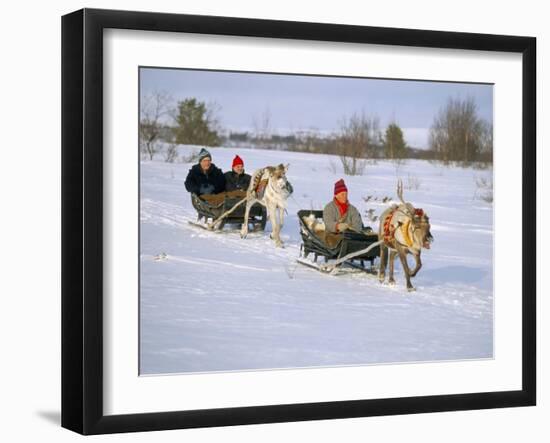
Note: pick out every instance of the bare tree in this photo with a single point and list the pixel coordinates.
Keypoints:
(358, 140)
(213, 111)
(154, 107)
(262, 126)
(457, 133)
(486, 150)
(171, 152)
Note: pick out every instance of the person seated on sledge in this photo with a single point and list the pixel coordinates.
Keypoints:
(236, 179)
(340, 215)
(205, 178)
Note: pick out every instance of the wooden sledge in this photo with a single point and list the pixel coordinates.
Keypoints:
(336, 247)
(217, 210)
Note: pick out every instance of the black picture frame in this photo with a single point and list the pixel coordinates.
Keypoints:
(82, 219)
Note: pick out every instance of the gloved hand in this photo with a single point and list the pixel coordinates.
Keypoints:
(207, 189)
(342, 227)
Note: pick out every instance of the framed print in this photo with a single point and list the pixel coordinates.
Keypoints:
(269, 221)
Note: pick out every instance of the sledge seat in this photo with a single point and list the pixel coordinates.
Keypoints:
(331, 245)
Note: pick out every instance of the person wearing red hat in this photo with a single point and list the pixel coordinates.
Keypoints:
(339, 215)
(237, 179)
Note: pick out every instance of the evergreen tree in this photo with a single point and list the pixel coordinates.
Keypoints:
(394, 142)
(195, 124)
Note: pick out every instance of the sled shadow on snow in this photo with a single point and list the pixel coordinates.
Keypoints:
(453, 274)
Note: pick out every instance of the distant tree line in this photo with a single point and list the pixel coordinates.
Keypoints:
(457, 135)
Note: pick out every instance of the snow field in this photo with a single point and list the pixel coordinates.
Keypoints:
(217, 302)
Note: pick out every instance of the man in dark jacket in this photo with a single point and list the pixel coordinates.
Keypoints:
(237, 179)
(205, 177)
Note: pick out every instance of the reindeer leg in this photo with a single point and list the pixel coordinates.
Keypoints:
(391, 280)
(274, 225)
(244, 228)
(383, 263)
(406, 270)
(417, 266)
(280, 225)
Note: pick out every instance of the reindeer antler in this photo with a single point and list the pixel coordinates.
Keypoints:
(400, 191)
(409, 208)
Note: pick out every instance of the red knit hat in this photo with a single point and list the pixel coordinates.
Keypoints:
(237, 161)
(340, 186)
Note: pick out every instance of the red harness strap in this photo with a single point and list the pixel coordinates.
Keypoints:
(260, 188)
(389, 231)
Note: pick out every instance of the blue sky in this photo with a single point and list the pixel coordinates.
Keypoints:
(307, 102)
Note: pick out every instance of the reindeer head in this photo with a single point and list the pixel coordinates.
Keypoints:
(421, 229)
(278, 177)
(420, 222)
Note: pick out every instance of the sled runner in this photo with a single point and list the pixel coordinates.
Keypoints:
(211, 207)
(316, 242)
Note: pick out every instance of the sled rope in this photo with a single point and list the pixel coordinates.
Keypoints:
(213, 224)
(331, 266)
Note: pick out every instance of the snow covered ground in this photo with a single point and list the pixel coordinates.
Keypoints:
(220, 303)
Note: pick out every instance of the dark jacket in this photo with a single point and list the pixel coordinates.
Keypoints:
(236, 182)
(197, 182)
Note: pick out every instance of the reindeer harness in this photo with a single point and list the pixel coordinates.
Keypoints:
(389, 229)
(260, 189)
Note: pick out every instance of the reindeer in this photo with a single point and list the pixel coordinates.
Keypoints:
(269, 187)
(404, 229)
